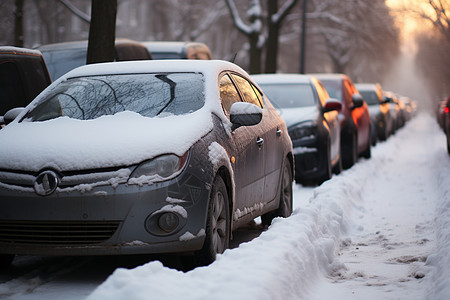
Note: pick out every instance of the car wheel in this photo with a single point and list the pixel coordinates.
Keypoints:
(327, 167)
(448, 143)
(337, 168)
(285, 206)
(218, 224)
(6, 260)
(350, 153)
(368, 152)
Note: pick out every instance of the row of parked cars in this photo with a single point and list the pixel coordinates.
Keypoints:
(443, 118)
(167, 156)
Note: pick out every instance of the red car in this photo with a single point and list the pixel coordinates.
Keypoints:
(354, 115)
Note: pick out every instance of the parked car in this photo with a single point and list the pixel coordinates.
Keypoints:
(395, 109)
(378, 109)
(312, 120)
(355, 118)
(23, 75)
(178, 50)
(142, 157)
(63, 57)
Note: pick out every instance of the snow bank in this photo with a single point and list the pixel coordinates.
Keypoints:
(440, 261)
(280, 264)
(289, 259)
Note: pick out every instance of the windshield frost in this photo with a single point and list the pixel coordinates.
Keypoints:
(150, 95)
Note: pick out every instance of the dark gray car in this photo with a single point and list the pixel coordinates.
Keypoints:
(142, 157)
(312, 120)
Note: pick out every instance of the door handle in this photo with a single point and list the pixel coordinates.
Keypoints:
(279, 132)
(260, 142)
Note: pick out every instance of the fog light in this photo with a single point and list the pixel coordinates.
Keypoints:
(168, 222)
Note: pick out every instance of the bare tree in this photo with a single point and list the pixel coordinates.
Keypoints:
(18, 26)
(253, 31)
(102, 31)
(275, 18)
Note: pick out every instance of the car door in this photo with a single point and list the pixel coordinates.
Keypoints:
(270, 131)
(248, 151)
(331, 119)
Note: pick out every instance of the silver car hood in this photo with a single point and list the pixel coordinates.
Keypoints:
(124, 139)
(293, 116)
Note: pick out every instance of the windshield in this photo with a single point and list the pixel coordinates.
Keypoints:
(150, 95)
(289, 95)
(370, 97)
(334, 88)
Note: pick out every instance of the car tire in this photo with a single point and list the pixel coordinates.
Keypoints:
(217, 225)
(337, 168)
(328, 172)
(6, 260)
(285, 205)
(367, 153)
(350, 153)
(448, 143)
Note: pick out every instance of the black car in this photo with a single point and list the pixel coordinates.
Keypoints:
(312, 120)
(379, 110)
(23, 75)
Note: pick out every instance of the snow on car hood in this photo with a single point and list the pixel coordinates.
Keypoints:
(296, 115)
(122, 139)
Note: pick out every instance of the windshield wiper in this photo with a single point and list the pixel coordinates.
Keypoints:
(172, 85)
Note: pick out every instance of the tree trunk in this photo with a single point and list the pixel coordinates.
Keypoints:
(255, 54)
(102, 31)
(272, 38)
(18, 24)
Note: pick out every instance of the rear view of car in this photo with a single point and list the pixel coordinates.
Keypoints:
(64, 57)
(23, 75)
(312, 120)
(178, 50)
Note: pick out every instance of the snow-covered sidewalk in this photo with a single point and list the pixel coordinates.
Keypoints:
(377, 231)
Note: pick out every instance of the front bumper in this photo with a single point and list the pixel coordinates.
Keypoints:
(104, 220)
(310, 157)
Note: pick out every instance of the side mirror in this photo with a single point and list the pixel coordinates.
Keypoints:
(11, 114)
(332, 104)
(387, 99)
(358, 100)
(244, 114)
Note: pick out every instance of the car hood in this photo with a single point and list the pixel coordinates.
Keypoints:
(124, 139)
(293, 116)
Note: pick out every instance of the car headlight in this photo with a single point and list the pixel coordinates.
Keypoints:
(162, 167)
(303, 130)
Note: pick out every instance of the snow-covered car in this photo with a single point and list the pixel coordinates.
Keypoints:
(379, 110)
(312, 120)
(355, 119)
(142, 157)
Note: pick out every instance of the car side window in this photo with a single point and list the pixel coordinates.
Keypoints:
(321, 92)
(247, 91)
(228, 94)
(348, 92)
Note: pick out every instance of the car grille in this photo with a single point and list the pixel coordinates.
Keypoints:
(56, 232)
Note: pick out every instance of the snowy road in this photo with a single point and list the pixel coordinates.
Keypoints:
(377, 231)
